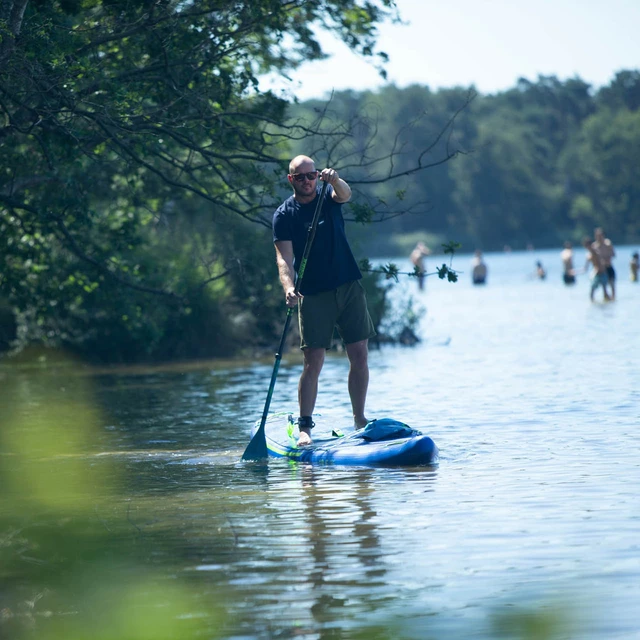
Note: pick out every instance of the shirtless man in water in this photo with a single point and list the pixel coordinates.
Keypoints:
(568, 271)
(598, 271)
(603, 247)
(634, 266)
(479, 268)
(417, 259)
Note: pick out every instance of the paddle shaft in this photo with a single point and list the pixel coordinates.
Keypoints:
(257, 447)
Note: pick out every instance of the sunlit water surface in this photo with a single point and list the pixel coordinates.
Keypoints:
(532, 394)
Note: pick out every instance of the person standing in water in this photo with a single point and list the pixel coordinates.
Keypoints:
(568, 270)
(634, 266)
(598, 269)
(417, 260)
(604, 248)
(479, 268)
(330, 295)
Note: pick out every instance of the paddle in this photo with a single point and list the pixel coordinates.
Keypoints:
(257, 447)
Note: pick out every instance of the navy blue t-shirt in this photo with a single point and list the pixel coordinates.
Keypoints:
(331, 262)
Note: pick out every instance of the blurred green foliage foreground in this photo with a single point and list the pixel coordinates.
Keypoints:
(71, 563)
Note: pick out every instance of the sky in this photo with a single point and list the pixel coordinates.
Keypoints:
(489, 44)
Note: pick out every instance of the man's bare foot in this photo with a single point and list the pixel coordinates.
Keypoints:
(305, 437)
(360, 424)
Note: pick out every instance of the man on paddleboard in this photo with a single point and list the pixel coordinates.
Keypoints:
(331, 295)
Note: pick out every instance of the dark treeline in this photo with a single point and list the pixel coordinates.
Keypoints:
(539, 164)
(140, 164)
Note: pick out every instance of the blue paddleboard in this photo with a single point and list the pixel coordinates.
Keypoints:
(384, 442)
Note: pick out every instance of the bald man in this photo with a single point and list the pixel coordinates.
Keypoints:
(331, 296)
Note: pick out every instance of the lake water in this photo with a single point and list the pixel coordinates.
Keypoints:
(529, 527)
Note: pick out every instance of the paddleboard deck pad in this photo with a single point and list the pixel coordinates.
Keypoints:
(384, 442)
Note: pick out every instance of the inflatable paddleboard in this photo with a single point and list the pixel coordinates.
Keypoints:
(384, 442)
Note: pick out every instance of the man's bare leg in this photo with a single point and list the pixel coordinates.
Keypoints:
(308, 388)
(358, 354)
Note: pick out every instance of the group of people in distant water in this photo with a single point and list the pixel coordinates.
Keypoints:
(600, 253)
(417, 256)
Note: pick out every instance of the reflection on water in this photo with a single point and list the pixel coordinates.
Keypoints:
(312, 553)
(531, 394)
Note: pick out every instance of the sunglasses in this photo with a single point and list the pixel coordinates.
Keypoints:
(299, 177)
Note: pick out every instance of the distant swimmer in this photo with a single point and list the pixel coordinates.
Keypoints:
(417, 259)
(634, 266)
(540, 272)
(479, 273)
(568, 270)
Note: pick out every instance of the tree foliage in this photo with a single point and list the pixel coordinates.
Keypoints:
(126, 125)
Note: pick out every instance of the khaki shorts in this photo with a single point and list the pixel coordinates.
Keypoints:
(344, 308)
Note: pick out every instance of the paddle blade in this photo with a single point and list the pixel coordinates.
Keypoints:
(257, 447)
